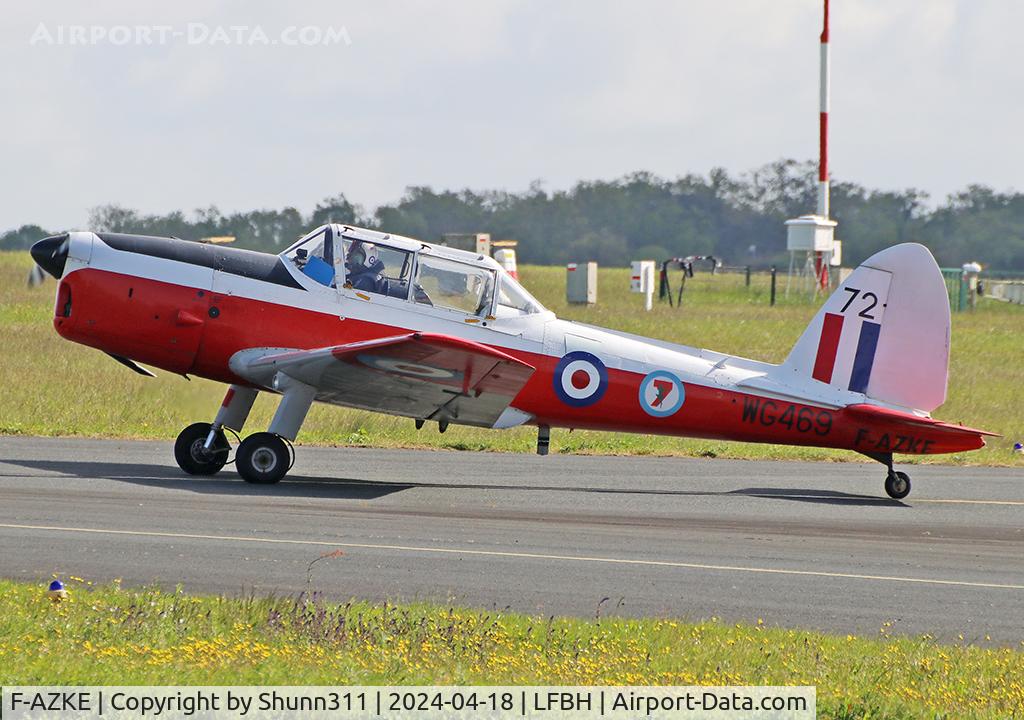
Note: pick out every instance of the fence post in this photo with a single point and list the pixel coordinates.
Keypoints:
(773, 287)
(748, 276)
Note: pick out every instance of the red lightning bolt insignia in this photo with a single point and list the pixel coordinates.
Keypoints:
(663, 388)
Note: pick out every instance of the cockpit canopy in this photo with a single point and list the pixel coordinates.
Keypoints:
(432, 275)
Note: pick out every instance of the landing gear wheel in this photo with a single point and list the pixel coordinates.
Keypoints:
(193, 457)
(263, 458)
(897, 485)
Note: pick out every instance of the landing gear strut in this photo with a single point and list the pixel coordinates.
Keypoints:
(897, 483)
(263, 457)
(543, 439)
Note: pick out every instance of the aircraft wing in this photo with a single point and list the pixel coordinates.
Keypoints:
(419, 375)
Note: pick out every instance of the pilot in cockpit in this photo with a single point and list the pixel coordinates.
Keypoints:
(365, 269)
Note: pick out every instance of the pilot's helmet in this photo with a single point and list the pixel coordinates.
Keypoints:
(362, 256)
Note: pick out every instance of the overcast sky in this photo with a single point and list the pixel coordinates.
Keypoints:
(494, 94)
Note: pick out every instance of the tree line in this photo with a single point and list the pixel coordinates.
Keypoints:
(738, 218)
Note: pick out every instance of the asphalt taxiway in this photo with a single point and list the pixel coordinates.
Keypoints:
(795, 544)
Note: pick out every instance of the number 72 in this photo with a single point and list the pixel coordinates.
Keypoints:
(867, 297)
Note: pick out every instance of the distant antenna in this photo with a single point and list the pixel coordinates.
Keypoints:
(823, 121)
(813, 236)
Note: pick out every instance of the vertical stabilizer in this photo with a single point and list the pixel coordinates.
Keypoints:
(883, 333)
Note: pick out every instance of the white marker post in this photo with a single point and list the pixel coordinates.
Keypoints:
(641, 280)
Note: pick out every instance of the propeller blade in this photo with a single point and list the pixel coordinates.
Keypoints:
(36, 276)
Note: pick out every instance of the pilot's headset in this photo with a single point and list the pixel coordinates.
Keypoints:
(371, 255)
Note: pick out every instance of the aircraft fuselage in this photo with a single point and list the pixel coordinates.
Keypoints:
(190, 309)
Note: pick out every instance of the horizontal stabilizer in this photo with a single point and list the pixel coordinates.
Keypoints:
(873, 412)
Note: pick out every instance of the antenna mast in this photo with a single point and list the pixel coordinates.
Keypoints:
(823, 121)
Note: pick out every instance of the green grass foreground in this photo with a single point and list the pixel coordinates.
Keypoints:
(108, 635)
(53, 387)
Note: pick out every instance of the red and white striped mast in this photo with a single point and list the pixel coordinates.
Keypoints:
(823, 121)
(823, 259)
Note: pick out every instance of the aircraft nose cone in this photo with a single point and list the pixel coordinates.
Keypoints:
(51, 253)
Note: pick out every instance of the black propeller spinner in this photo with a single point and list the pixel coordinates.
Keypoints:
(51, 254)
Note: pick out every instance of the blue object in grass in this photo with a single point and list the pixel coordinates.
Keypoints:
(56, 591)
(319, 270)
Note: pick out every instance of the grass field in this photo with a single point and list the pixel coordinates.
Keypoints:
(112, 636)
(52, 387)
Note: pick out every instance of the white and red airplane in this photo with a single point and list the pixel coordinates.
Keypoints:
(368, 320)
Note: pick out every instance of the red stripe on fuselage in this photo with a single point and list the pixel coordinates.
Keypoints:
(828, 347)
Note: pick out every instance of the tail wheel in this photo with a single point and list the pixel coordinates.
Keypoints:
(263, 458)
(897, 485)
(191, 454)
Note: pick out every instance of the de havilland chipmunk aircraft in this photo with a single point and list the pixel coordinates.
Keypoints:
(380, 322)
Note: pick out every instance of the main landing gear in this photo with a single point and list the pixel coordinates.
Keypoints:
(897, 482)
(262, 458)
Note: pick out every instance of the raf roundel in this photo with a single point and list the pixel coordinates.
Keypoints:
(580, 379)
(406, 367)
(661, 393)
